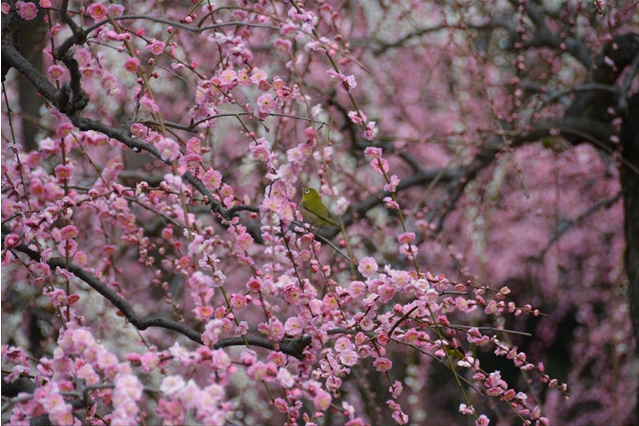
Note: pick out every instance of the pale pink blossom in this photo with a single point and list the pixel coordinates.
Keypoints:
(382, 364)
(367, 267)
(266, 103)
(171, 384)
(169, 149)
(322, 400)
(212, 179)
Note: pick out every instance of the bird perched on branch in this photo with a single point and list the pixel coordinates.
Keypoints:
(313, 209)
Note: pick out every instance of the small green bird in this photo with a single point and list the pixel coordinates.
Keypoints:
(313, 209)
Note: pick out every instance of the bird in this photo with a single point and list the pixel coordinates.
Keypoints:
(313, 209)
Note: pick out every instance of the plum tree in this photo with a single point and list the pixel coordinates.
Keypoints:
(481, 158)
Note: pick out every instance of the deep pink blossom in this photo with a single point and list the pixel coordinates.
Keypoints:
(97, 11)
(155, 46)
(132, 65)
(56, 72)
(27, 10)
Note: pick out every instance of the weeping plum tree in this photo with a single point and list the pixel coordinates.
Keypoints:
(481, 158)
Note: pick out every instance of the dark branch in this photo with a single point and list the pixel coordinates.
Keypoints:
(544, 37)
(581, 128)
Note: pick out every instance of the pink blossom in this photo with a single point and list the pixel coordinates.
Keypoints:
(280, 404)
(12, 240)
(322, 400)
(482, 421)
(64, 129)
(169, 149)
(109, 83)
(465, 409)
(218, 278)
(52, 402)
(382, 364)
(392, 185)
(285, 378)
(155, 46)
(63, 172)
(193, 146)
(171, 384)
(386, 292)
(228, 77)
(348, 357)
(129, 385)
(371, 131)
(41, 268)
(243, 242)
(149, 104)
(367, 267)
(380, 165)
(97, 11)
(293, 327)
(277, 329)
(254, 285)
(260, 150)
(350, 83)
(211, 332)
(262, 371)
(357, 289)
(400, 417)
(132, 65)
(343, 344)
(150, 361)
(6, 8)
(258, 75)
(357, 117)
(283, 46)
(203, 313)
(248, 357)
(243, 78)
(27, 11)
(212, 179)
(115, 9)
(67, 247)
(242, 329)
(56, 72)
(238, 302)
(266, 103)
(69, 232)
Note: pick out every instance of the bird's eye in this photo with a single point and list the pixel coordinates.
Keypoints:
(307, 191)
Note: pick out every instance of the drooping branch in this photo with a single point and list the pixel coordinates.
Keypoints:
(61, 101)
(565, 225)
(383, 46)
(292, 347)
(118, 301)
